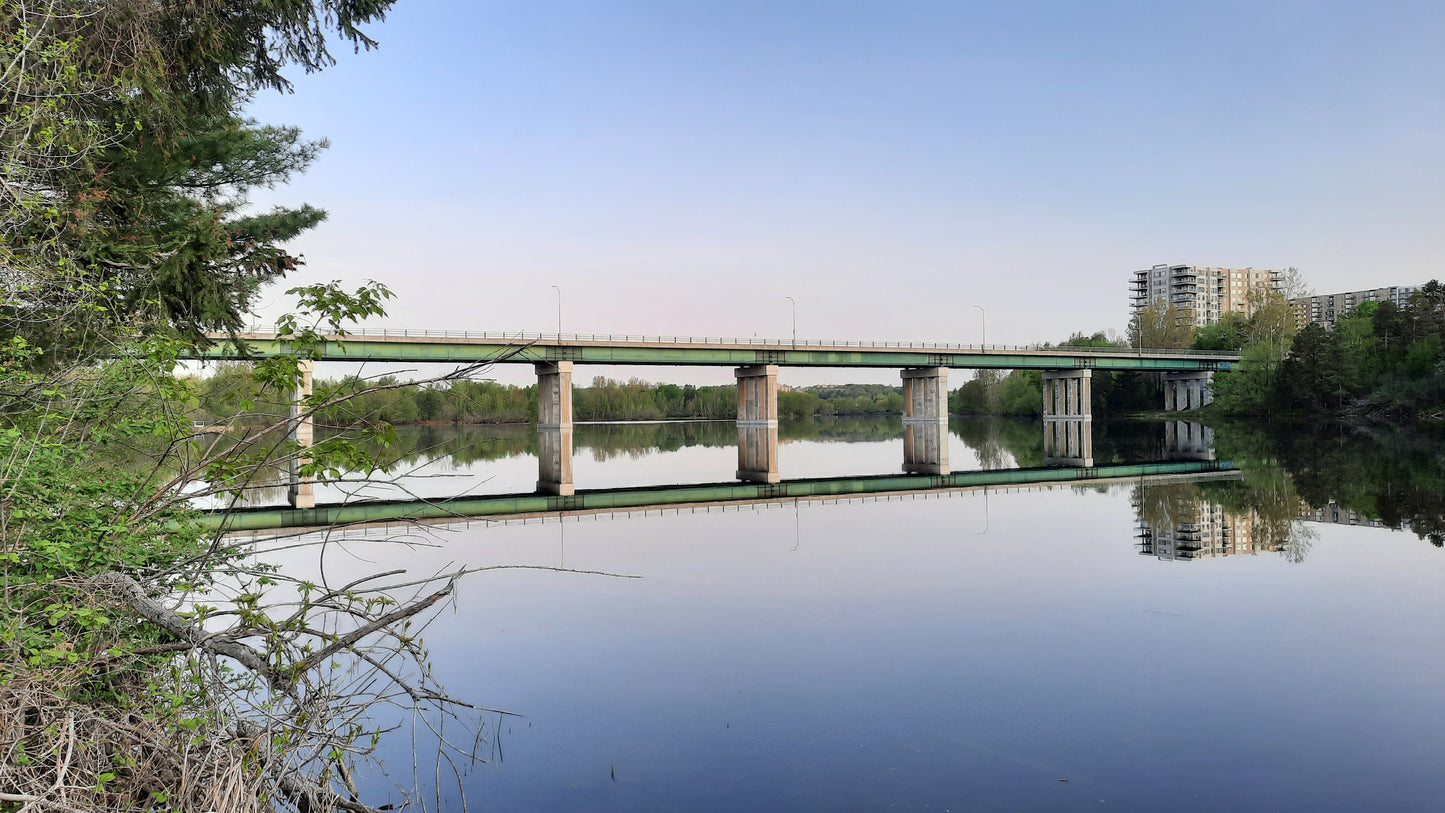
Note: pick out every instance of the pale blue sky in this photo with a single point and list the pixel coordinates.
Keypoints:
(683, 167)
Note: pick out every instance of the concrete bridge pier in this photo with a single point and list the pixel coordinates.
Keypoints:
(925, 448)
(925, 395)
(758, 454)
(925, 420)
(554, 428)
(1068, 394)
(554, 394)
(1188, 390)
(1188, 440)
(758, 423)
(757, 395)
(300, 490)
(1068, 418)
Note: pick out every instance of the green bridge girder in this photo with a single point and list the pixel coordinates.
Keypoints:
(593, 500)
(362, 349)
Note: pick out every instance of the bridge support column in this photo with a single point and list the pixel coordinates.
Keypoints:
(758, 453)
(1068, 394)
(757, 395)
(554, 428)
(1188, 390)
(1068, 418)
(925, 447)
(300, 490)
(925, 395)
(554, 394)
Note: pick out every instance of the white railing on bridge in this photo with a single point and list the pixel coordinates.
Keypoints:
(526, 337)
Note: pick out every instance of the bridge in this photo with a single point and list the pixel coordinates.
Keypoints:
(469, 347)
(1067, 382)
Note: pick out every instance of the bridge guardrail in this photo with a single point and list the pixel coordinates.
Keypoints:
(522, 337)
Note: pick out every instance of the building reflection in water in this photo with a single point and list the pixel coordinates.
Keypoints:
(1191, 527)
(1182, 522)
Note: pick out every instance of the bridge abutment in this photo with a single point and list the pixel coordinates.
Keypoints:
(300, 489)
(925, 394)
(1188, 390)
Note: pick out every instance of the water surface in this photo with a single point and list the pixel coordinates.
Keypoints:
(1192, 644)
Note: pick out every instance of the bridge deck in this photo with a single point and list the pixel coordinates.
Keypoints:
(466, 348)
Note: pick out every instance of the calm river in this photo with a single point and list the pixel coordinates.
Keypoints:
(1229, 642)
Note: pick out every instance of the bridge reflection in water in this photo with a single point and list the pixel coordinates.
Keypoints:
(1068, 458)
(702, 494)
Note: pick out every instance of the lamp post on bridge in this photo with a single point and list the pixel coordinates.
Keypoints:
(795, 321)
(983, 341)
(559, 312)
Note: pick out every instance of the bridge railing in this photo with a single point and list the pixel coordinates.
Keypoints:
(526, 337)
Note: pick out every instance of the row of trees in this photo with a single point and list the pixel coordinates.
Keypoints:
(233, 390)
(1382, 359)
(1020, 392)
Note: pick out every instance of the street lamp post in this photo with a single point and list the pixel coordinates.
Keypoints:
(795, 321)
(559, 311)
(983, 317)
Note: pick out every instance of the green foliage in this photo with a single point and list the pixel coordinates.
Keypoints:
(1161, 325)
(129, 166)
(1250, 388)
(1394, 474)
(1382, 359)
(799, 404)
(1229, 334)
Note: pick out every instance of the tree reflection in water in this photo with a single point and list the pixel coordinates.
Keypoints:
(1292, 474)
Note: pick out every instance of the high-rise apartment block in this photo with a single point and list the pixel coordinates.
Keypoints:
(1326, 309)
(1201, 293)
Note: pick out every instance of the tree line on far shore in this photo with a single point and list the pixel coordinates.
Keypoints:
(232, 390)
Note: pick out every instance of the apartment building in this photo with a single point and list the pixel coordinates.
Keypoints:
(1201, 293)
(1326, 309)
